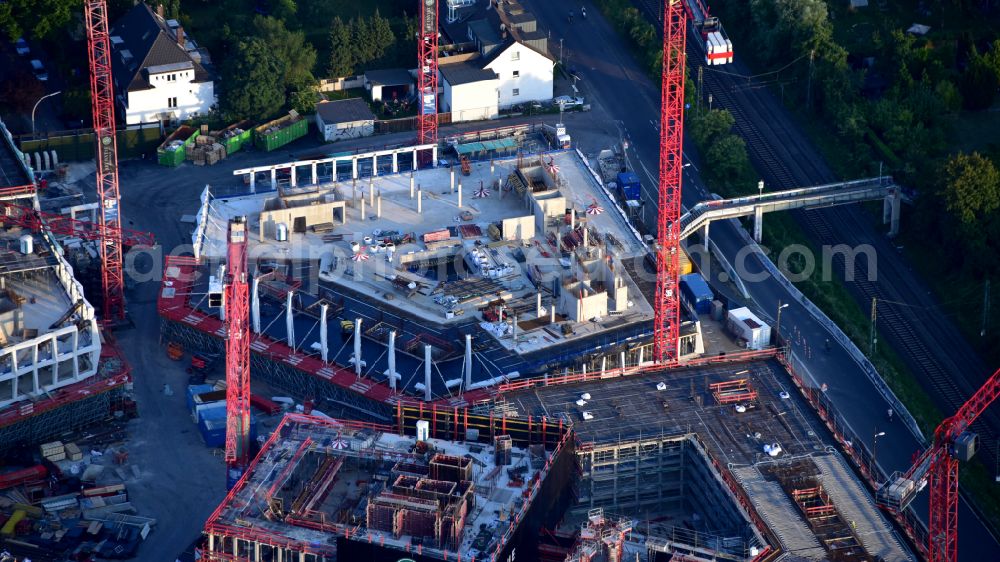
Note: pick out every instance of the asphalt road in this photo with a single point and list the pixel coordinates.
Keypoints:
(620, 91)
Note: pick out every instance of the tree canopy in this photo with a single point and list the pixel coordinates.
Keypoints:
(36, 18)
(341, 61)
(252, 81)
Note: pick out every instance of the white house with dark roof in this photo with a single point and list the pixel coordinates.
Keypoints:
(511, 65)
(157, 69)
(344, 119)
(469, 91)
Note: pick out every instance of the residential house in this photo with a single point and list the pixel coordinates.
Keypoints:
(344, 119)
(158, 70)
(469, 91)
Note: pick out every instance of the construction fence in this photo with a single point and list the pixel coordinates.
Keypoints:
(78, 144)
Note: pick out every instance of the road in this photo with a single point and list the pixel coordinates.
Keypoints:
(621, 92)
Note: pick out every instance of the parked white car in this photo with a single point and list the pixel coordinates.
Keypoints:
(39, 69)
(566, 102)
(22, 47)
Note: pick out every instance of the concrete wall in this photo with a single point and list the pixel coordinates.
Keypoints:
(518, 228)
(193, 99)
(582, 309)
(318, 213)
(534, 81)
(474, 101)
(340, 131)
(547, 205)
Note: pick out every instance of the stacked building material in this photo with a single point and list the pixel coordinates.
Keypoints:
(206, 151)
(54, 451)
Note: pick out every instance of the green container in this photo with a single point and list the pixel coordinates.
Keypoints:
(174, 157)
(232, 140)
(280, 132)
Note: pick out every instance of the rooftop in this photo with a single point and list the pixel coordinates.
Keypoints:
(319, 478)
(467, 72)
(389, 77)
(344, 111)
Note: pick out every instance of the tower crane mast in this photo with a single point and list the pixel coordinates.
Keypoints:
(937, 468)
(103, 110)
(427, 72)
(237, 318)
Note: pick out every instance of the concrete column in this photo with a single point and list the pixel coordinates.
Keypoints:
(253, 182)
(552, 313)
(641, 349)
(890, 211)
(622, 360)
(378, 208)
(395, 162)
(451, 184)
(492, 167)
(255, 306)
(315, 179)
(459, 194)
(434, 155)
(420, 199)
(604, 364)
(374, 166)
(413, 185)
(354, 168)
(414, 159)
(274, 178)
(290, 320)
(354, 190)
(371, 191)
(391, 373)
(586, 236)
(538, 305)
(323, 344)
(357, 346)
(572, 219)
(468, 361)
(294, 177)
(427, 373)
(704, 233)
(513, 330)
(758, 223)
(362, 208)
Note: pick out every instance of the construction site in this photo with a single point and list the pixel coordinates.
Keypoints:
(424, 488)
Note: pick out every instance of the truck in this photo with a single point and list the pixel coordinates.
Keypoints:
(629, 186)
(557, 136)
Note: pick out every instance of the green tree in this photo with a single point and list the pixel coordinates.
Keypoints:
(710, 126)
(35, 18)
(971, 188)
(730, 164)
(252, 82)
(284, 9)
(341, 49)
(363, 41)
(297, 57)
(381, 34)
(979, 82)
(304, 99)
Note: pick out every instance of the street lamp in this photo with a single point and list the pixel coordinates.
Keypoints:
(36, 107)
(760, 187)
(878, 434)
(777, 323)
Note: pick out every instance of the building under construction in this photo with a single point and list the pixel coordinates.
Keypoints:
(56, 374)
(372, 278)
(710, 463)
(453, 486)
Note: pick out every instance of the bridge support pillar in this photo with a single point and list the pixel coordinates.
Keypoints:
(758, 223)
(890, 211)
(704, 233)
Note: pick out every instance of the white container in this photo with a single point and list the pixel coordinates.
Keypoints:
(281, 232)
(27, 244)
(423, 430)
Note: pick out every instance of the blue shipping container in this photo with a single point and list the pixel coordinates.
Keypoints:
(194, 390)
(213, 427)
(697, 292)
(629, 186)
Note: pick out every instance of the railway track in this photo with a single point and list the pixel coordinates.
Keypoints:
(783, 167)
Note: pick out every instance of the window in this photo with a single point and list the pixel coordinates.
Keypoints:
(517, 73)
(171, 102)
(517, 92)
(516, 55)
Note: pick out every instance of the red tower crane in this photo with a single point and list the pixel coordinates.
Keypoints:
(237, 312)
(938, 467)
(427, 72)
(103, 108)
(666, 329)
